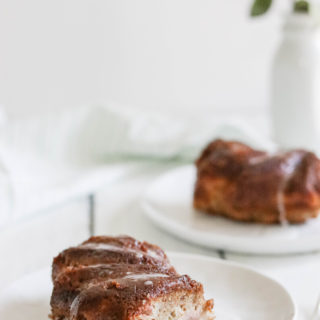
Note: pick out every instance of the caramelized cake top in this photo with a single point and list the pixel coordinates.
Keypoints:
(112, 275)
(257, 181)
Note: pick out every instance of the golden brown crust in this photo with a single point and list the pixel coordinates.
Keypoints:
(114, 278)
(244, 184)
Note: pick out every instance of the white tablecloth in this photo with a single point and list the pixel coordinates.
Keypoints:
(117, 211)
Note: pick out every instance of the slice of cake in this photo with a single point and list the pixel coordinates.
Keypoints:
(120, 278)
(238, 182)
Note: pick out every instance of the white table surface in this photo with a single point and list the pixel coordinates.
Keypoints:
(117, 211)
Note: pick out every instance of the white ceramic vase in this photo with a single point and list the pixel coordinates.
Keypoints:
(295, 100)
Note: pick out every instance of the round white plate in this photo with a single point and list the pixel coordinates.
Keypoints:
(168, 203)
(239, 293)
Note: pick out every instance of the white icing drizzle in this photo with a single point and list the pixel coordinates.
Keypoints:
(74, 308)
(288, 169)
(281, 206)
(153, 254)
(114, 248)
(110, 247)
(94, 266)
(258, 159)
(146, 276)
(75, 305)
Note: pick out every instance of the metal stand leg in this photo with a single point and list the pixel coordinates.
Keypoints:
(222, 254)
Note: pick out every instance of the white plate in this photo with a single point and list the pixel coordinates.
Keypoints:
(168, 203)
(239, 292)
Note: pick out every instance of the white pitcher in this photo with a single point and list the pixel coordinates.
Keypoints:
(295, 100)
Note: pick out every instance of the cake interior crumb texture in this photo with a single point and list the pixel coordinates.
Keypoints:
(179, 306)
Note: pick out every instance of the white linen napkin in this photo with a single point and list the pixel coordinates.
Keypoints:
(54, 156)
(116, 130)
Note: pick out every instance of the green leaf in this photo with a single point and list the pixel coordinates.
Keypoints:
(301, 6)
(260, 7)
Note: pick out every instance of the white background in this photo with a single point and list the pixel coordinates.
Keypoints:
(154, 53)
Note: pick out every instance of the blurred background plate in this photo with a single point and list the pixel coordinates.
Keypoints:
(168, 203)
(236, 291)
